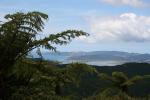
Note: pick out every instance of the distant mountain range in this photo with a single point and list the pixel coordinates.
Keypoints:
(101, 58)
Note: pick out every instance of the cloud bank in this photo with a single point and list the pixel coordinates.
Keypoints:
(125, 27)
(133, 3)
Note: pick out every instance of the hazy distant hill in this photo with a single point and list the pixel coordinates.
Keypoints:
(98, 57)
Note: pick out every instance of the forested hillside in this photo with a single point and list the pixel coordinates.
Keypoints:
(93, 84)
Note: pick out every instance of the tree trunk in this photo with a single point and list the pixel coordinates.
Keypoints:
(4, 93)
(58, 89)
(124, 89)
(3, 89)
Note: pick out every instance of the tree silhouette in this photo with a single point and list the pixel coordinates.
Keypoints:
(18, 36)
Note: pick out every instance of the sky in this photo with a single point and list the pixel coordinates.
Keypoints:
(113, 25)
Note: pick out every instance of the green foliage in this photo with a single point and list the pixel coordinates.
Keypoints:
(18, 36)
(92, 84)
(78, 70)
(42, 84)
(121, 81)
(44, 81)
(119, 96)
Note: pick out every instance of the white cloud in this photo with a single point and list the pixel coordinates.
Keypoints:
(134, 3)
(126, 27)
(2, 14)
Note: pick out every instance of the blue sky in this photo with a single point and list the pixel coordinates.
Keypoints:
(113, 25)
